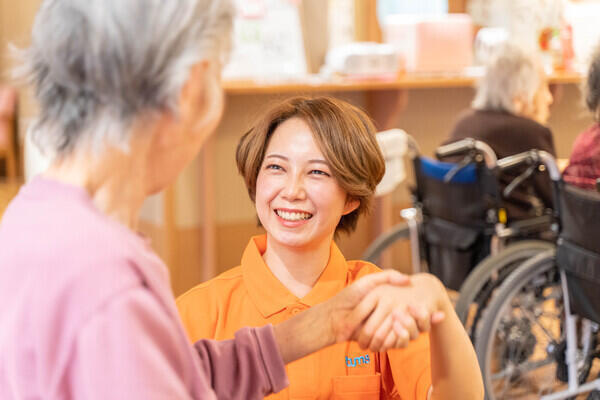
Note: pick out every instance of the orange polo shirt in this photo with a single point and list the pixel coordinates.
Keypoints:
(250, 295)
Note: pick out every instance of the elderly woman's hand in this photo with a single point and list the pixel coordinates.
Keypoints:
(399, 314)
(348, 310)
(352, 315)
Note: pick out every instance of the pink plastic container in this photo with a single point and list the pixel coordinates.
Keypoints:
(431, 43)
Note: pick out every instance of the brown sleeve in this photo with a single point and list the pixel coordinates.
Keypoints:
(247, 367)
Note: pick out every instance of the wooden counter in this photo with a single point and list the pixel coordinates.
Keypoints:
(407, 81)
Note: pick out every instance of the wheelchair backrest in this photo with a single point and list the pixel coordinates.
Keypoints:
(466, 199)
(455, 201)
(578, 250)
(579, 216)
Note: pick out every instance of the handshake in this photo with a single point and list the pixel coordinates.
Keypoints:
(380, 311)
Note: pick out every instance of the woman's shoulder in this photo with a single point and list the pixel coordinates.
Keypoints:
(463, 125)
(200, 307)
(588, 139)
(360, 268)
(509, 133)
(520, 124)
(221, 285)
(535, 135)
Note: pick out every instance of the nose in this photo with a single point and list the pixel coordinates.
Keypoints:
(294, 188)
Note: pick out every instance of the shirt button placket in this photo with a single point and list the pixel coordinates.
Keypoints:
(295, 309)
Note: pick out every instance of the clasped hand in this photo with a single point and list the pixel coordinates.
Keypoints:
(386, 310)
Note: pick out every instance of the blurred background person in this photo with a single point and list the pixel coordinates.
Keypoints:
(509, 113)
(583, 169)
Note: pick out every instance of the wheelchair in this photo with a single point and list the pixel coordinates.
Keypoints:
(465, 246)
(447, 238)
(538, 336)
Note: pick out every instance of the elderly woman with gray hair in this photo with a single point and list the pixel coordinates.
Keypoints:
(509, 113)
(128, 92)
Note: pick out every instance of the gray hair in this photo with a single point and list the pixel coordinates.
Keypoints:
(592, 84)
(98, 65)
(511, 73)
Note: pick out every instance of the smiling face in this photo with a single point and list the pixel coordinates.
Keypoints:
(298, 200)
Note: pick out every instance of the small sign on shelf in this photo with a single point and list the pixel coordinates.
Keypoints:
(267, 41)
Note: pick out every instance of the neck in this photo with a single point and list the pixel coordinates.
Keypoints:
(297, 268)
(114, 180)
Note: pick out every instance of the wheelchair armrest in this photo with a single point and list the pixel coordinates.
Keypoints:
(539, 224)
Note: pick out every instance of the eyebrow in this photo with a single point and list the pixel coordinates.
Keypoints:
(317, 160)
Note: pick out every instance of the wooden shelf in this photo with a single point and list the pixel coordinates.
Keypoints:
(566, 77)
(407, 81)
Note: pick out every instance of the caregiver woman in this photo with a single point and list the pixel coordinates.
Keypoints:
(128, 91)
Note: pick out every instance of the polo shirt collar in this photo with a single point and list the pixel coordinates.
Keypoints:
(271, 296)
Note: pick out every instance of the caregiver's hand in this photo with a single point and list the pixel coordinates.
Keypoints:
(393, 315)
(339, 319)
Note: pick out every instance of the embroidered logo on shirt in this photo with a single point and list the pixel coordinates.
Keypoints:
(356, 361)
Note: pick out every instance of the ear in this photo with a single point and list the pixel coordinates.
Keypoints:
(201, 100)
(177, 127)
(518, 105)
(351, 205)
(192, 97)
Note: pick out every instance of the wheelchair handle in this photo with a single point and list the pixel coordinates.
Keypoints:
(531, 157)
(466, 145)
(451, 149)
(506, 163)
(550, 162)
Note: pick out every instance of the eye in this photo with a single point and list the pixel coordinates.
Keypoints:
(274, 167)
(319, 172)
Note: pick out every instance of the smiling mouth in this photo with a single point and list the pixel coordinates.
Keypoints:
(293, 215)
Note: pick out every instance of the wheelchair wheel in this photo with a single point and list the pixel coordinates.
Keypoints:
(595, 395)
(479, 286)
(520, 339)
(384, 241)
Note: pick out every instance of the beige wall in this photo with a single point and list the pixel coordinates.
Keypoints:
(16, 19)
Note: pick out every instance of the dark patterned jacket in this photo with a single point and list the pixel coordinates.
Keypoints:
(584, 164)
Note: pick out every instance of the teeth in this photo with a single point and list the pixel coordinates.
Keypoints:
(293, 216)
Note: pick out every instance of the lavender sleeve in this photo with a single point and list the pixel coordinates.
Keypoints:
(130, 350)
(247, 367)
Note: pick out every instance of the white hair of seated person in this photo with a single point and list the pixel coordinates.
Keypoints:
(98, 66)
(514, 81)
(592, 84)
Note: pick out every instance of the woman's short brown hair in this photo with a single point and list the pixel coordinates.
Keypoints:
(345, 135)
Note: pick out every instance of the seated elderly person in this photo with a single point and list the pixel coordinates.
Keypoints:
(583, 169)
(509, 113)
